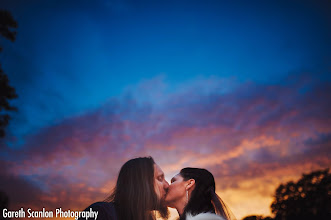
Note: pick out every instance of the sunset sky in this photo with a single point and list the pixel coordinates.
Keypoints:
(241, 88)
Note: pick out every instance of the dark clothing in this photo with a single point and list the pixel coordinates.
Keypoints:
(106, 211)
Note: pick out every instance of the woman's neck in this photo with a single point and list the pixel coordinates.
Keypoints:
(180, 206)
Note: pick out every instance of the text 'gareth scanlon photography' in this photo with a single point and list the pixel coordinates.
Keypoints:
(58, 213)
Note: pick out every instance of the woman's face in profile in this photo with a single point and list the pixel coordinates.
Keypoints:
(176, 191)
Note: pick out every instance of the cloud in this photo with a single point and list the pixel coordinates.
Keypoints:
(251, 137)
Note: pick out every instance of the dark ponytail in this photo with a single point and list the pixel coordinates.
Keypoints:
(203, 198)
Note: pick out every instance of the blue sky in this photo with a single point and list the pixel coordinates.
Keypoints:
(75, 55)
(170, 65)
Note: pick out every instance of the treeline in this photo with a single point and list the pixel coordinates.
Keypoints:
(307, 199)
(8, 31)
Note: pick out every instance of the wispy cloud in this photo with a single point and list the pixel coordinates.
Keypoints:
(252, 137)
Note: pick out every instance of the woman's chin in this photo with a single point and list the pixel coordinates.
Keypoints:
(169, 204)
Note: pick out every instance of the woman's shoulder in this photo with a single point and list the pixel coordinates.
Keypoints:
(204, 216)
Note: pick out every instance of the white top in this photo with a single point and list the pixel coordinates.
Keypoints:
(204, 216)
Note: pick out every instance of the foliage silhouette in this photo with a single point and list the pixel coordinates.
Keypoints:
(7, 92)
(7, 25)
(309, 198)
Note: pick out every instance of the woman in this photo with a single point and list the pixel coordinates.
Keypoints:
(192, 193)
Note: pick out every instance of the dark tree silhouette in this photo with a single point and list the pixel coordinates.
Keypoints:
(7, 25)
(7, 92)
(309, 198)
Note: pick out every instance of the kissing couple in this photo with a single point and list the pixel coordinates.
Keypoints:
(142, 193)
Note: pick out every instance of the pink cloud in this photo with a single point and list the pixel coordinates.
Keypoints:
(245, 134)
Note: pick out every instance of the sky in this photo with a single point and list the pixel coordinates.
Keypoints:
(241, 88)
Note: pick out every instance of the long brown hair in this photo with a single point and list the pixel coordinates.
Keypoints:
(134, 196)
